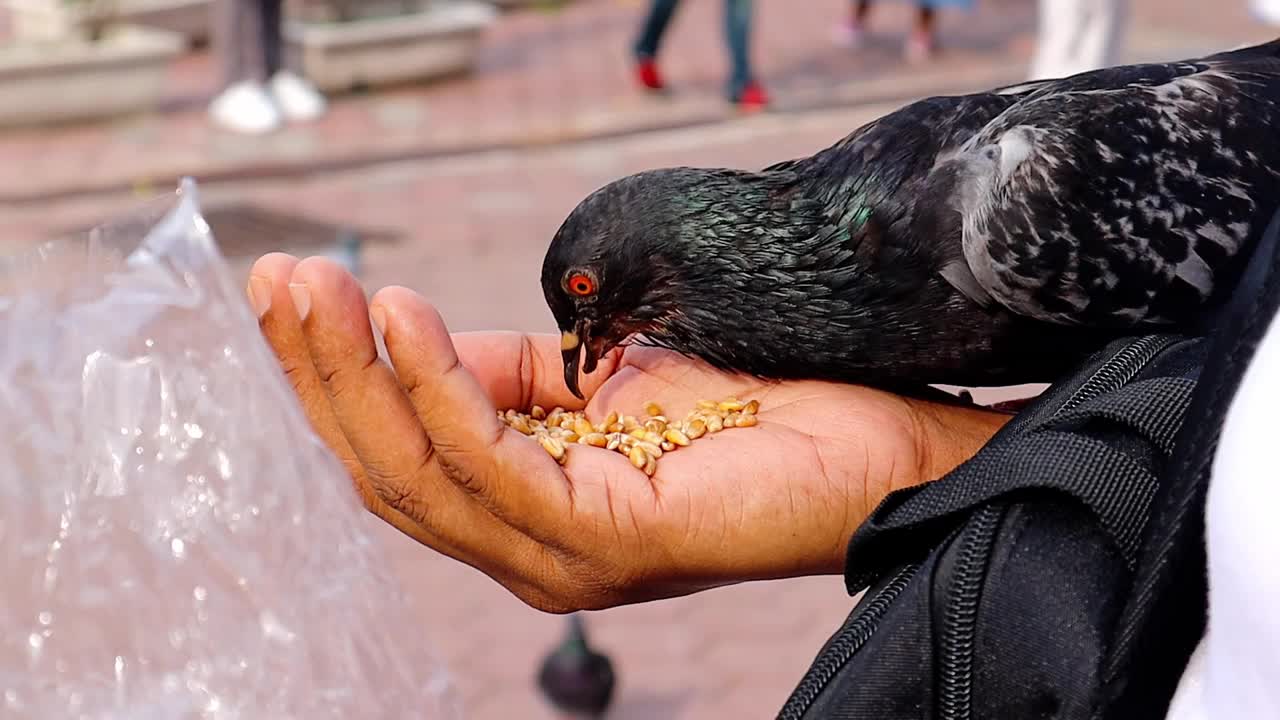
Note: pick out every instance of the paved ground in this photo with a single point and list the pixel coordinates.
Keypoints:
(470, 231)
(543, 78)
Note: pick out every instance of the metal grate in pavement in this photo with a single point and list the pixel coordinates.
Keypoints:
(246, 230)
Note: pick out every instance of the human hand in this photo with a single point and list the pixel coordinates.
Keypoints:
(428, 454)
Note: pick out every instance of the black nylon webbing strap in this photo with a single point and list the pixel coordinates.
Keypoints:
(1115, 486)
(1164, 402)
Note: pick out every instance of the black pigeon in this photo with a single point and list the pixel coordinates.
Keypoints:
(576, 679)
(980, 240)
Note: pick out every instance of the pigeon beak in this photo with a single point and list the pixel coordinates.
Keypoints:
(570, 346)
(574, 343)
(593, 348)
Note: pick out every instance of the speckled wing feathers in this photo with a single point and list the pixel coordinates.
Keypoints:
(1121, 197)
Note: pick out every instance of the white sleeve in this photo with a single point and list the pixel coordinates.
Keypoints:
(1235, 673)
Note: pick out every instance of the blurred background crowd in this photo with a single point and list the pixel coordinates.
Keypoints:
(438, 144)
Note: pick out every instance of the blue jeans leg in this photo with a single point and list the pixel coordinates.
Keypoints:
(737, 31)
(655, 24)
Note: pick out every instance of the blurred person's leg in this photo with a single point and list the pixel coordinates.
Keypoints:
(1057, 22)
(743, 87)
(851, 32)
(297, 98)
(861, 9)
(922, 43)
(646, 47)
(1076, 36)
(1104, 34)
(244, 104)
(922, 40)
(737, 35)
(234, 31)
(271, 17)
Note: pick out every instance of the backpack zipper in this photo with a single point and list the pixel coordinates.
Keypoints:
(960, 621)
(850, 639)
(1117, 371)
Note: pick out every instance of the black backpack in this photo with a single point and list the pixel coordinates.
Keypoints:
(1061, 572)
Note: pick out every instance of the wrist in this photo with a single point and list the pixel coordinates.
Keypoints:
(938, 438)
(948, 435)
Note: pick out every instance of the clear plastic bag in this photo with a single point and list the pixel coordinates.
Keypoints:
(174, 541)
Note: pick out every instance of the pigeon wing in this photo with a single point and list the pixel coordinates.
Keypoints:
(1116, 198)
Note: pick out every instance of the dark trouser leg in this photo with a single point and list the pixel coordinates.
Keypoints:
(860, 10)
(228, 29)
(272, 35)
(248, 39)
(655, 24)
(737, 30)
(925, 19)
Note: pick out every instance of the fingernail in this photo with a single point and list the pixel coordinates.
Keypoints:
(259, 294)
(379, 316)
(301, 299)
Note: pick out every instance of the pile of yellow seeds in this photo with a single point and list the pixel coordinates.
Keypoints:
(642, 439)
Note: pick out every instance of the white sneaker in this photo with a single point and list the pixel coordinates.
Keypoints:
(297, 98)
(247, 108)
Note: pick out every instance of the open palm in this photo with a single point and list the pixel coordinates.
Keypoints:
(423, 443)
(821, 456)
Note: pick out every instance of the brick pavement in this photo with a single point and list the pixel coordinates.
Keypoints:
(550, 77)
(540, 78)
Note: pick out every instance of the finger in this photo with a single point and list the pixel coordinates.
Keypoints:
(509, 475)
(371, 410)
(394, 423)
(539, 375)
(269, 295)
(401, 462)
(369, 405)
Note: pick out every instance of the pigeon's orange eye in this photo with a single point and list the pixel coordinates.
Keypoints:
(581, 285)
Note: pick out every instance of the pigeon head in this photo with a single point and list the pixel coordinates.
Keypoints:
(649, 256)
